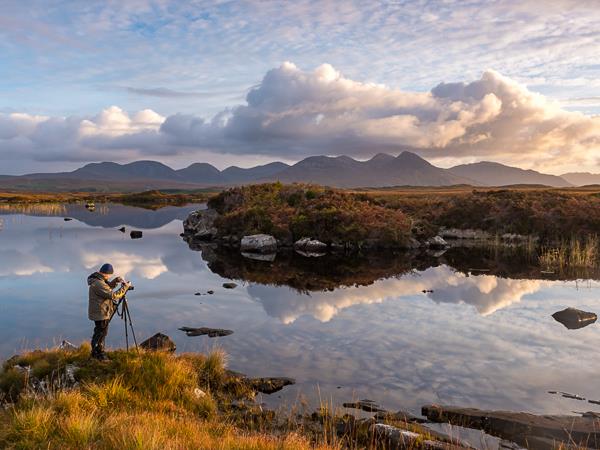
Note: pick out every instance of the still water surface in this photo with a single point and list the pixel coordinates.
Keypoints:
(344, 330)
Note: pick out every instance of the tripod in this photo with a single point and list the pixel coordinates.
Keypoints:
(122, 310)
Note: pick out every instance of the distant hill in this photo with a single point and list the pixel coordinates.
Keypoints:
(383, 170)
(581, 178)
(488, 173)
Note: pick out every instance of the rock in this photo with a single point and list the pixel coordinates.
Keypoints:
(398, 416)
(122, 229)
(388, 436)
(523, 428)
(67, 219)
(210, 292)
(259, 243)
(67, 346)
(199, 393)
(135, 234)
(269, 385)
(201, 224)
(159, 342)
(456, 233)
(268, 257)
(211, 332)
(574, 319)
(229, 285)
(310, 245)
(436, 242)
(365, 405)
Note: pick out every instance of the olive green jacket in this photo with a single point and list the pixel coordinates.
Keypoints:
(102, 297)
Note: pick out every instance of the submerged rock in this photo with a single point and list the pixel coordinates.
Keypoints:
(160, 342)
(135, 234)
(259, 243)
(201, 224)
(211, 332)
(574, 319)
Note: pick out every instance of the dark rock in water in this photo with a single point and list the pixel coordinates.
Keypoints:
(365, 405)
(160, 342)
(135, 234)
(211, 332)
(574, 319)
(66, 219)
(594, 402)
(210, 292)
(269, 385)
(530, 430)
(572, 396)
(122, 229)
(229, 285)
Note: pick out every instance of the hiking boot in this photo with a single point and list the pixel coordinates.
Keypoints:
(101, 357)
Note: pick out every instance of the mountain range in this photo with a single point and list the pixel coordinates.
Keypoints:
(383, 170)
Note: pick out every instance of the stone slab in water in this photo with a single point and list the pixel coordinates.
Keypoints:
(533, 431)
(210, 332)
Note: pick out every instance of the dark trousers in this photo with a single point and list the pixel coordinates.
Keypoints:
(100, 332)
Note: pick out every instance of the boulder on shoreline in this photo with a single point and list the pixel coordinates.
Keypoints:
(436, 243)
(201, 224)
(258, 243)
(309, 245)
(159, 342)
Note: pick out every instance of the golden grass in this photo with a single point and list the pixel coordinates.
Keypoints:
(574, 253)
(135, 401)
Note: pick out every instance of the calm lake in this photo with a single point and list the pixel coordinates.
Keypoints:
(343, 328)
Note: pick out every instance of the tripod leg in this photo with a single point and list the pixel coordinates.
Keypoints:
(131, 326)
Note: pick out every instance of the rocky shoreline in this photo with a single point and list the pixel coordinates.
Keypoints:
(201, 227)
(69, 369)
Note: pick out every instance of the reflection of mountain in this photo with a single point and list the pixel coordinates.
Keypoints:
(113, 215)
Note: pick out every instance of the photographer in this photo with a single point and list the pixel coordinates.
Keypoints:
(102, 304)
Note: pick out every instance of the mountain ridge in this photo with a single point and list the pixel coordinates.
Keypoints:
(382, 170)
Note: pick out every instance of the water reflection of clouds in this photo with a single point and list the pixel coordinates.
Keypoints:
(486, 293)
(386, 341)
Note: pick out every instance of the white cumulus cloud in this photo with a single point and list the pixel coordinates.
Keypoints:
(293, 113)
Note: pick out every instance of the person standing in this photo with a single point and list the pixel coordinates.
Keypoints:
(102, 304)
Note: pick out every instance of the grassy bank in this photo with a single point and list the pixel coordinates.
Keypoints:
(136, 401)
(148, 199)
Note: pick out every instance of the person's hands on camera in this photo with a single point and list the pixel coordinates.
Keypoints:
(119, 280)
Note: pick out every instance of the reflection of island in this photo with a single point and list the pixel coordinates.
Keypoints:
(310, 274)
(321, 287)
(110, 215)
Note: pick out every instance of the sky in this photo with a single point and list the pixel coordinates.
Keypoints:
(245, 83)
